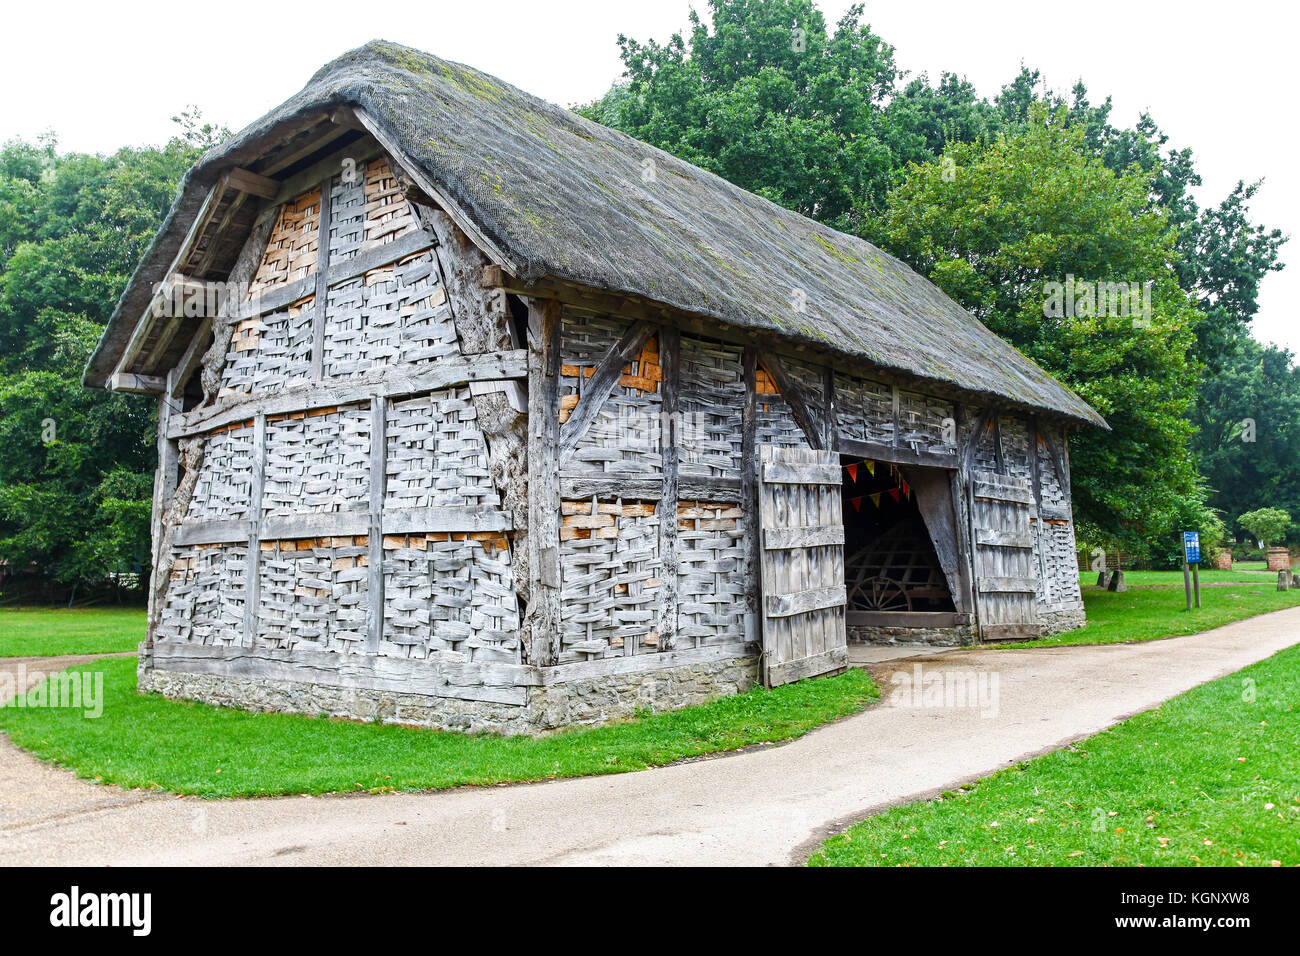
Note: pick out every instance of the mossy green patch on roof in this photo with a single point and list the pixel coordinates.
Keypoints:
(562, 197)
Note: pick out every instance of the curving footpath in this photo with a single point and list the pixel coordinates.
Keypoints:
(770, 805)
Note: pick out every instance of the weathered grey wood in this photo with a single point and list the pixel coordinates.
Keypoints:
(803, 586)
(1011, 632)
(932, 493)
(642, 663)
(189, 362)
(597, 389)
(689, 487)
(1006, 578)
(467, 680)
(801, 602)
(543, 479)
(323, 280)
(830, 420)
(1002, 488)
(339, 524)
(1004, 539)
(777, 472)
(252, 576)
(749, 496)
(925, 619)
(138, 384)
(899, 455)
(670, 364)
(823, 664)
(375, 532)
(794, 397)
(1005, 585)
(389, 382)
(297, 184)
(785, 538)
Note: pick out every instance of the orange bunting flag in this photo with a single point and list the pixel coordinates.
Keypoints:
(871, 467)
(893, 493)
(853, 471)
(907, 489)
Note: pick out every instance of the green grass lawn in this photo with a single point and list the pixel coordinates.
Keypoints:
(1207, 779)
(185, 747)
(1088, 579)
(1148, 613)
(41, 632)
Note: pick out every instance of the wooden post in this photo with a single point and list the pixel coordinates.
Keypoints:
(1196, 583)
(322, 282)
(1187, 585)
(830, 425)
(375, 538)
(670, 365)
(749, 489)
(544, 478)
(252, 570)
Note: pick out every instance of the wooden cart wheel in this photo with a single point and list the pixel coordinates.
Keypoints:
(882, 594)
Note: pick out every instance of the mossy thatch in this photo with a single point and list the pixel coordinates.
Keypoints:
(559, 196)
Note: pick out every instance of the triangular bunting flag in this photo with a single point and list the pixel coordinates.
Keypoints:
(871, 467)
(893, 493)
(875, 499)
(857, 503)
(907, 489)
(853, 472)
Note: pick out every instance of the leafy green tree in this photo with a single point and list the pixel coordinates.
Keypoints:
(1248, 430)
(1267, 525)
(993, 226)
(76, 466)
(769, 98)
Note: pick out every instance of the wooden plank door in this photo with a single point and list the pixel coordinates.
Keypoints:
(1006, 579)
(801, 525)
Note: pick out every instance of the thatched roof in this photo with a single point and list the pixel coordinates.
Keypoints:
(558, 196)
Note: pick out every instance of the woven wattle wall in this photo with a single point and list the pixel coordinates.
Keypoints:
(609, 560)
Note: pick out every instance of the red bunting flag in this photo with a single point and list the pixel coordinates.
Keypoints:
(857, 503)
(907, 489)
(893, 493)
(853, 471)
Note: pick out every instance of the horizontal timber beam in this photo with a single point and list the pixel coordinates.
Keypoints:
(341, 524)
(489, 366)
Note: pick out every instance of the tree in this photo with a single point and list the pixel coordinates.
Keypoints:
(771, 100)
(76, 466)
(999, 227)
(1267, 525)
(1248, 430)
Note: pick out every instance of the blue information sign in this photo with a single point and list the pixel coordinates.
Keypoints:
(1192, 547)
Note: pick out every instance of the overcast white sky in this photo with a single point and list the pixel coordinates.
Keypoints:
(1216, 77)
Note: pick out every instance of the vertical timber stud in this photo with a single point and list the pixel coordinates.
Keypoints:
(1035, 475)
(322, 283)
(898, 425)
(749, 490)
(544, 478)
(375, 539)
(670, 342)
(830, 427)
(252, 564)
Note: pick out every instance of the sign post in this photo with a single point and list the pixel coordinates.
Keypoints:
(1192, 556)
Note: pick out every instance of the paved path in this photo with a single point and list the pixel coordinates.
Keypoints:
(766, 806)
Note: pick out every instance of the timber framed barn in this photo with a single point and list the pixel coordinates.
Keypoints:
(474, 414)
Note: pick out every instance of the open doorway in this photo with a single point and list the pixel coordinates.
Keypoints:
(893, 576)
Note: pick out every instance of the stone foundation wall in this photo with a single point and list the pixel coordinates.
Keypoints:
(588, 701)
(1057, 621)
(959, 636)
